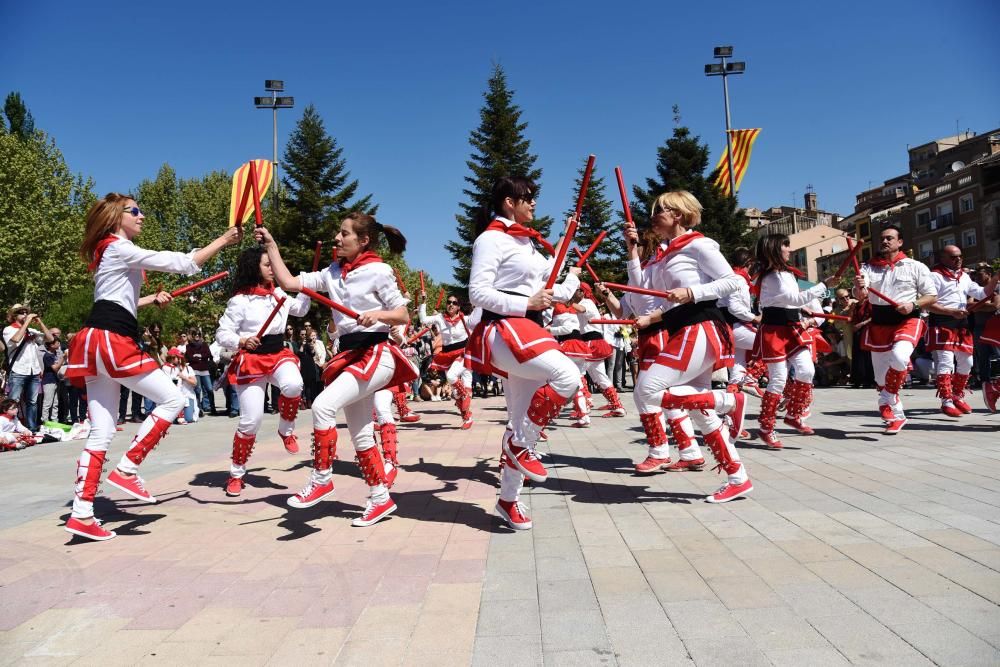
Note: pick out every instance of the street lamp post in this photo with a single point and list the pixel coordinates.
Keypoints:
(724, 69)
(274, 103)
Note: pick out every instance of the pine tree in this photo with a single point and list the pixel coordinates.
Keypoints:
(500, 149)
(20, 119)
(608, 261)
(681, 164)
(318, 192)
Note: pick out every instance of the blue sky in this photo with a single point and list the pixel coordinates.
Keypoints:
(839, 89)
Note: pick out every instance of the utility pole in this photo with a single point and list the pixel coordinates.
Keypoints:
(724, 69)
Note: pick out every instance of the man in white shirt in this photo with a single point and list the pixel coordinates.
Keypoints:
(24, 367)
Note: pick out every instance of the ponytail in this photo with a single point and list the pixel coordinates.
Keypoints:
(367, 225)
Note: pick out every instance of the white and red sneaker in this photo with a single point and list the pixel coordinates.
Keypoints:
(581, 423)
(525, 460)
(543, 436)
(886, 413)
(410, 417)
(375, 512)
(799, 425)
(311, 494)
(991, 393)
(770, 439)
(513, 513)
(730, 491)
(291, 443)
(752, 389)
(895, 426)
(949, 409)
(234, 486)
(615, 412)
(736, 416)
(694, 465)
(133, 486)
(963, 407)
(466, 424)
(92, 531)
(651, 465)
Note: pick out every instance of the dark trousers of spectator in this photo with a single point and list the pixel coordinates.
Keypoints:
(275, 393)
(62, 401)
(620, 368)
(983, 356)
(77, 404)
(26, 389)
(862, 371)
(123, 405)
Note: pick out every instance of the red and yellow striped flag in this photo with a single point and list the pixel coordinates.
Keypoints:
(742, 145)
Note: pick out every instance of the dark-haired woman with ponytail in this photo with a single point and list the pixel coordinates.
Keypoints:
(360, 280)
(784, 340)
(261, 361)
(507, 281)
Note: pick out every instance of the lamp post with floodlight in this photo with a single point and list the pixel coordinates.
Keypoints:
(724, 69)
(274, 103)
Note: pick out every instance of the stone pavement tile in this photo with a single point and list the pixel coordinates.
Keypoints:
(946, 643)
(583, 658)
(460, 598)
(916, 579)
(810, 550)
(574, 629)
(465, 549)
(781, 571)
(501, 651)
(863, 640)
(211, 624)
(508, 618)
(389, 621)
(745, 592)
(617, 555)
(978, 616)
(702, 619)
(444, 631)
(891, 606)
(679, 585)
(609, 581)
(510, 586)
(640, 632)
(255, 637)
(436, 658)
(286, 602)
(956, 540)
(816, 600)
(660, 560)
(562, 568)
(873, 555)
(572, 594)
(556, 547)
(845, 574)
(814, 657)
(752, 546)
(988, 557)
(168, 614)
(729, 651)
(334, 611)
(309, 647)
(720, 565)
(519, 560)
(779, 628)
(361, 652)
(460, 571)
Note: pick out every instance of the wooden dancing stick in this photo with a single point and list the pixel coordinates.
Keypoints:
(258, 220)
(637, 290)
(857, 271)
(621, 190)
(329, 303)
(847, 260)
(201, 283)
(415, 337)
(632, 322)
(828, 316)
(423, 288)
(583, 186)
(587, 266)
(270, 318)
(437, 306)
(571, 229)
(316, 255)
(399, 282)
(590, 251)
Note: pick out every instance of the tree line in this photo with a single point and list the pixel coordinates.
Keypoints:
(43, 206)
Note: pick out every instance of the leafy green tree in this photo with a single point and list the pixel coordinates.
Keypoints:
(608, 261)
(318, 191)
(42, 209)
(20, 119)
(499, 149)
(682, 164)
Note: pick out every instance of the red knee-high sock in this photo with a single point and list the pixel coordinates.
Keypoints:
(140, 449)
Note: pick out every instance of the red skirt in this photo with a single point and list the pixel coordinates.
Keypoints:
(121, 356)
(678, 348)
(946, 338)
(576, 349)
(525, 339)
(442, 361)
(881, 337)
(248, 368)
(600, 349)
(991, 332)
(776, 342)
(362, 363)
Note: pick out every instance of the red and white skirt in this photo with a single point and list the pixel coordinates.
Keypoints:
(881, 337)
(991, 332)
(675, 351)
(121, 356)
(600, 349)
(946, 338)
(576, 349)
(776, 342)
(247, 368)
(362, 363)
(442, 361)
(525, 339)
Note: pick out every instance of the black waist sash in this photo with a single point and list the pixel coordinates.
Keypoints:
(889, 315)
(113, 317)
(572, 335)
(269, 344)
(687, 314)
(362, 339)
(729, 317)
(451, 347)
(779, 316)
(949, 322)
(592, 335)
(533, 315)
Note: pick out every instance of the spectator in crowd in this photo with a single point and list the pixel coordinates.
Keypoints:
(24, 367)
(13, 434)
(319, 357)
(310, 372)
(199, 358)
(62, 385)
(834, 367)
(52, 361)
(182, 375)
(983, 353)
(862, 371)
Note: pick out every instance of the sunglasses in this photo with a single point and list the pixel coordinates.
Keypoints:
(451, 303)
(134, 210)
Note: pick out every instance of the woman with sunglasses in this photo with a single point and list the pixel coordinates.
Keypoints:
(261, 361)
(451, 359)
(106, 355)
(564, 326)
(508, 282)
(784, 340)
(366, 362)
(600, 349)
(694, 339)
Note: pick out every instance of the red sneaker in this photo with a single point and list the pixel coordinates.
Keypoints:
(581, 423)
(543, 436)
(410, 418)
(991, 392)
(615, 412)
(730, 491)
(951, 410)
(466, 424)
(694, 465)
(753, 390)
(799, 425)
(513, 513)
(745, 435)
(885, 411)
(133, 486)
(525, 460)
(311, 494)
(895, 426)
(374, 513)
(391, 472)
(92, 531)
(965, 408)
(770, 439)
(234, 486)
(737, 416)
(291, 443)
(651, 465)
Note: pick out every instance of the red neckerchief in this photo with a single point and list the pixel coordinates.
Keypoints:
(257, 290)
(452, 320)
(367, 257)
(795, 272)
(16, 325)
(562, 309)
(943, 270)
(891, 263)
(755, 287)
(672, 247)
(102, 245)
(521, 231)
(744, 274)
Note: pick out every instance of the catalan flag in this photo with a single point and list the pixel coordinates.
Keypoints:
(742, 145)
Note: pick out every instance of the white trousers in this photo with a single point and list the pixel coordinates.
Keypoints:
(597, 373)
(897, 358)
(743, 338)
(252, 397)
(458, 371)
(777, 373)
(947, 361)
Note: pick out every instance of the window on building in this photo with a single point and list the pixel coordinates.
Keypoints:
(799, 259)
(925, 249)
(969, 238)
(965, 203)
(865, 230)
(945, 216)
(924, 218)
(947, 239)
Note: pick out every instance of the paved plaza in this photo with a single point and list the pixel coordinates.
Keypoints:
(854, 548)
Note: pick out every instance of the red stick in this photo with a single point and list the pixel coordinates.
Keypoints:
(613, 322)
(857, 271)
(316, 256)
(587, 266)
(561, 255)
(583, 186)
(399, 281)
(590, 251)
(243, 207)
(417, 335)
(621, 190)
(258, 221)
(440, 299)
(848, 259)
(828, 316)
(637, 290)
(270, 318)
(423, 288)
(201, 283)
(329, 303)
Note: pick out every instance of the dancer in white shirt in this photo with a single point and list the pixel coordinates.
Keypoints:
(450, 360)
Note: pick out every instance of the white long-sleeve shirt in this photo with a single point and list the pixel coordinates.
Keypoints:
(368, 287)
(452, 331)
(118, 277)
(245, 315)
(739, 303)
(780, 289)
(641, 276)
(904, 282)
(511, 263)
(953, 293)
(564, 323)
(590, 312)
(699, 266)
